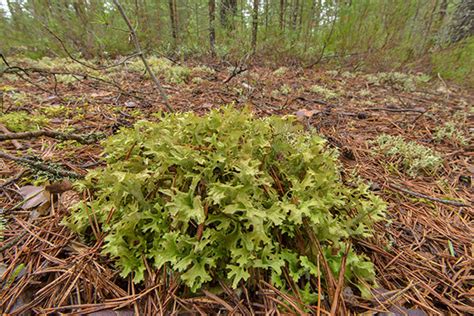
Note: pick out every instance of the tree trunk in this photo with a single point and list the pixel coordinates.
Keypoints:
(254, 25)
(295, 14)
(174, 22)
(212, 30)
(462, 25)
(282, 14)
(266, 15)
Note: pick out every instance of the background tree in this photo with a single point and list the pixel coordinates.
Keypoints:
(392, 34)
(463, 21)
(254, 25)
(212, 30)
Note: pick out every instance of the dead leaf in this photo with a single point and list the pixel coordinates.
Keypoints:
(34, 196)
(303, 113)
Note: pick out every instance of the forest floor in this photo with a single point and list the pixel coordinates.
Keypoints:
(423, 255)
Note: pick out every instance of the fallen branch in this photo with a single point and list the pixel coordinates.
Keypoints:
(5, 130)
(415, 110)
(12, 179)
(416, 194)
(41, 166)
(83, 139)
(238, 69)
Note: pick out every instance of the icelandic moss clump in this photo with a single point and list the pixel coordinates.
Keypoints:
(162, 66)
(227, 196)
(398, 80)
(414, 159)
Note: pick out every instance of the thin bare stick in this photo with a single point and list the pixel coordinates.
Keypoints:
(142, 56)
(6, 132)
(449, 202)
(83, 139)
(41, 166)
(340, 281)
(416, 110)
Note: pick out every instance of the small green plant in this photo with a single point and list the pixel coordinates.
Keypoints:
(285, 89)
(55, 111)
(280, 71)
(450, 131)
(325, 92)
(409, 156)
(23, 121)
(7, 88)
(227, 196)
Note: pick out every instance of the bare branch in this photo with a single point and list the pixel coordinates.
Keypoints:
(142, 56)
(419, 195)
(83, 139)
(41, 166)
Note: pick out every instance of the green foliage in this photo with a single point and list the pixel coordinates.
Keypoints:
(250, 183)
(23, 121)
(325, 92)
(378, 35)
(408, 156)
(450, 131)
(55, 111)
(456, 63)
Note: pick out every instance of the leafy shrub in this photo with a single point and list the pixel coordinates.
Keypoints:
(325, 92)
(22, 121)
(226, 196)
(409, 156)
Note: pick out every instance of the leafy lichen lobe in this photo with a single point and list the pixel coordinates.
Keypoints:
(226, 196)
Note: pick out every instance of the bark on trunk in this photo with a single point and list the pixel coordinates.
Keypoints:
(254, 25)
(462, 25)
(212, 30)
